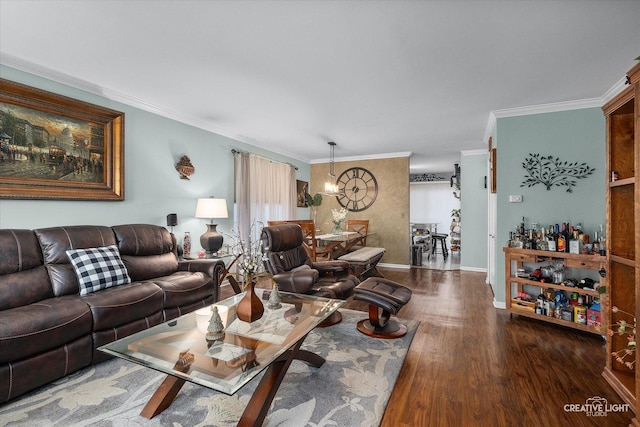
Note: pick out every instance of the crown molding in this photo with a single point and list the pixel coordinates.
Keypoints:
(549, 108)
(553, 107)
(562, 106)
(20, 64)
(13, 61)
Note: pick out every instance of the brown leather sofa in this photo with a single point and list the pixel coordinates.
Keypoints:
(48, 330)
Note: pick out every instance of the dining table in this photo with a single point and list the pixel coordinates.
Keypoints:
(337, 244)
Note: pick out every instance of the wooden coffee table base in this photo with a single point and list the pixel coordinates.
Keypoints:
(258, 406)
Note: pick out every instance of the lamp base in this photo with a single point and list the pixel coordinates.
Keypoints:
(211, 240)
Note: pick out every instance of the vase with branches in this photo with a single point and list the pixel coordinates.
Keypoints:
(250, 264)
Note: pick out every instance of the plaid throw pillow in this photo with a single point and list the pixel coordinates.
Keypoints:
(98, 268)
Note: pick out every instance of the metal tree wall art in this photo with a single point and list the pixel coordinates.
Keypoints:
(551, 171)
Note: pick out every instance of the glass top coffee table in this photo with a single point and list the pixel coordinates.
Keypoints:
(179, 349)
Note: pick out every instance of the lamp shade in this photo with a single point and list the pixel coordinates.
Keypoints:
(211, 208)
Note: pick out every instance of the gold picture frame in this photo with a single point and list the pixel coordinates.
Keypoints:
(55, 147)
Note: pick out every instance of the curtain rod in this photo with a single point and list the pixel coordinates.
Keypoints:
(236, 151)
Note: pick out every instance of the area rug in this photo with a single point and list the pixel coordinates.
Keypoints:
(352, 388)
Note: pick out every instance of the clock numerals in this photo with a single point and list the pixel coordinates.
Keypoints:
(343, 199)
(358, 189)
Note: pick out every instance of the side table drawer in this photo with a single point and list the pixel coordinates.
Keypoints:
(523, 258)
(586, 264)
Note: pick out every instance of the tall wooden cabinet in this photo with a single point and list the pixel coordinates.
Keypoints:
(623, 232)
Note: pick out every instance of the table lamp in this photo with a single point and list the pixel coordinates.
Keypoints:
(211, 240)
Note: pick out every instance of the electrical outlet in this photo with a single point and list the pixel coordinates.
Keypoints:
(515, 198)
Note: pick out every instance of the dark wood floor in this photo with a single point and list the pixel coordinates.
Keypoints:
(473, 365)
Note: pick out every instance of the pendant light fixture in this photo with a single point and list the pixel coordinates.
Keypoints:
(330, 187)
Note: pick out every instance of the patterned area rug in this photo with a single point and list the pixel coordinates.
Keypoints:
(351, 389)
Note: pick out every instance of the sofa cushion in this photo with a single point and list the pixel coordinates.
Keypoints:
(114, 307)
(23, 277)
(184, 288)
(56, 241)
(98, 268)
(42, 326)
(24, 375)
(148, 251)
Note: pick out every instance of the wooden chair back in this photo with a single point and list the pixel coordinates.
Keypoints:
(360, 226)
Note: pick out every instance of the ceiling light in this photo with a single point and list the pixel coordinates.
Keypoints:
(330, 187)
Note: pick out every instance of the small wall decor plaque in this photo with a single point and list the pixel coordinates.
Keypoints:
(550, 171)
(184, 167)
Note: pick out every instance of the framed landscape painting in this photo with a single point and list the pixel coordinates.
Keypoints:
(302, 187)
(54, 147)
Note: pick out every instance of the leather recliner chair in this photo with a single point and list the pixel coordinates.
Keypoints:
(294, 271)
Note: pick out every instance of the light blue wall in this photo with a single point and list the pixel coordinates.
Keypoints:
(574, 136)
(474, 211)
(153, 145)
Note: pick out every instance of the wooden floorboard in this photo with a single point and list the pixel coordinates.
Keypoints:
(471, 364)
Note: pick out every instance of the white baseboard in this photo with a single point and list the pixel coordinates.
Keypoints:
(476, 269)
(403, 266)
(499, 304)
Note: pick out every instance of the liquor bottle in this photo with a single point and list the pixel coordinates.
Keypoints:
(542, 244)
(539, 308)
(574, 244)
(531, 243)
(561, 245)
(567, 235)
(551, 239)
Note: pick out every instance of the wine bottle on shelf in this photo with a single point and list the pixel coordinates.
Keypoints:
(568, 234)
(551, 239)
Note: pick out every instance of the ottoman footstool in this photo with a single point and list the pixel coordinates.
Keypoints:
(385, 298)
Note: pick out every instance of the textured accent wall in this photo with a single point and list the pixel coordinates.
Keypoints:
(388, 216)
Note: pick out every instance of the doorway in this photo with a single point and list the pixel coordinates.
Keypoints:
(431, 204)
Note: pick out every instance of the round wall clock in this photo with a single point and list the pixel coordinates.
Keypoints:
(358, 189)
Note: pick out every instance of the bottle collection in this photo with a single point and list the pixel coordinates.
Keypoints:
(580, 309)
(561, 237)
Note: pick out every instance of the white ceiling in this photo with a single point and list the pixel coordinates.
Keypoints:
(376, 77)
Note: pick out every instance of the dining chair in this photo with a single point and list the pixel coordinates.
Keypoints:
(360, 226)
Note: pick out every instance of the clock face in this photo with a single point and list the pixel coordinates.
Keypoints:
(358, 189)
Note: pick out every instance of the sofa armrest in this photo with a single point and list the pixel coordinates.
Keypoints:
(331, 268)
(298, 282)
(213, 268)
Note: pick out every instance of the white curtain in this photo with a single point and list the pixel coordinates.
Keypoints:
(265, 190)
